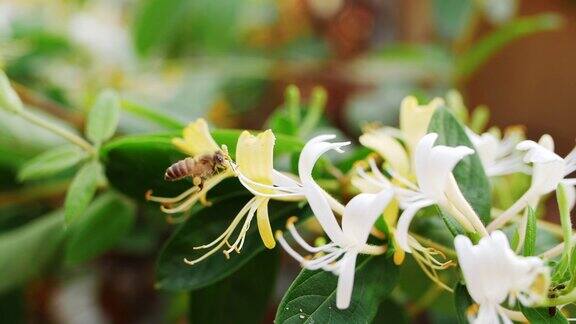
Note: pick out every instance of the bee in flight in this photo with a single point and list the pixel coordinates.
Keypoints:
(199, 168)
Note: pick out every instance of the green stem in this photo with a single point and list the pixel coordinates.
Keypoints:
(69, 136)
(151, 115)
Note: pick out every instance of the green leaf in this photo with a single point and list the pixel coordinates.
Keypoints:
(312, 296)
(51, 162)
(244, 295)
(82, 190)
(469, 173)
(470, 61)
(391, 311)
(103, 225)
(26, 251)
(202, 228)
(136, 164)
(543, 315)
(103, 117)
(462, 301)
(531, 231)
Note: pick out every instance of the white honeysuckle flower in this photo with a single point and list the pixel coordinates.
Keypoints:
(415, 118)
(494, 273)
(370, 182)
(549, 171)
(499, 156)
(339, 256)
(436, 186)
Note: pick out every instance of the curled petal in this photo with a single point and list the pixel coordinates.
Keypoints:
(434, 164)
(196, 139)
(254, 156)
(361, 213)
(405, 220)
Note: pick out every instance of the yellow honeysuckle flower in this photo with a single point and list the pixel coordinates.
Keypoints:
(255, 160)
(196, 139)
(254, 168)
(389, 148)
(414, 119)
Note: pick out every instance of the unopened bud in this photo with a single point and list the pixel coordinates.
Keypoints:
(9, 99)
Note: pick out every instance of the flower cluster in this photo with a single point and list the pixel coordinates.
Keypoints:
(408, 173)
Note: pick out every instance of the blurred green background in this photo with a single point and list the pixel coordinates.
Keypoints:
(230, 62)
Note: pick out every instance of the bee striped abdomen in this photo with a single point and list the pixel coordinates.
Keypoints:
(179, 170)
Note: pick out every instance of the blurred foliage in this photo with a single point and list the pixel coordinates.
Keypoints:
(68, 209)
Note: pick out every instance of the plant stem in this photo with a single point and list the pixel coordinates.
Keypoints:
(69, 136)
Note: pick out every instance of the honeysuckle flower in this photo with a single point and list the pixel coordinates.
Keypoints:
(436, 186)
(388, 147)
(415, 118)
(499, 156)
(548, 171)
(196, 141)
(339, 256)
(254, 168)
(494, 273)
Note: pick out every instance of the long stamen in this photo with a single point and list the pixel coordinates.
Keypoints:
(170, 200)
(296, 236)
(376, 171)
(182, 206)
(237, 245)
(223, 238)
(323, 261)
(280, 238)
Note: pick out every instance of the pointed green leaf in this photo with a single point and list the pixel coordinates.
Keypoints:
(531, 230)
(103, 117)
(548, 315)
(244, 295)
(104, 223)
(27, 250)
(312, 296)
(51, 162)
(469, 173)
(82, 190)
(202, 228)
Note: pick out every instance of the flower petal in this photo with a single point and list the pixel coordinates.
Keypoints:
(404, 223)
(314, 194)
(255, 156)
(361, 213)
(263, 223)
(196, 139)
(389, 148)
(548, 167)
(414, 119)
(434, 164)
(347, 269)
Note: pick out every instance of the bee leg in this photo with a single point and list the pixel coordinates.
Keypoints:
(198, 181)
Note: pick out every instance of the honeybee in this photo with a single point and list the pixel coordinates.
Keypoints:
(200, 168)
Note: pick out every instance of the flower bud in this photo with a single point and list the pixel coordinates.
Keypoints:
(9, 99)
